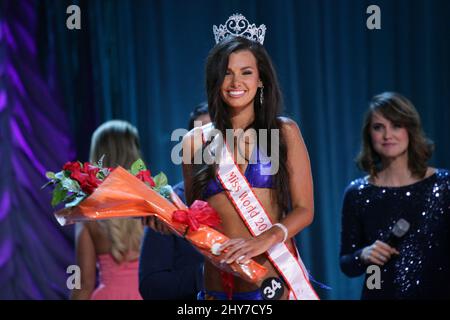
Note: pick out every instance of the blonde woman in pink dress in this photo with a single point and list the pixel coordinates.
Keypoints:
(111, 245)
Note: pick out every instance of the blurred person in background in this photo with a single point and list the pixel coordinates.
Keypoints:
(113, 245)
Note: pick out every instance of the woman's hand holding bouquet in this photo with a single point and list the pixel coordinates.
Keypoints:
(91, 192)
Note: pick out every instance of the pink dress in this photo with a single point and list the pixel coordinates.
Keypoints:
(117, 281)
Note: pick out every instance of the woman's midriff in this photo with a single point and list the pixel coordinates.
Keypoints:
(233, 227)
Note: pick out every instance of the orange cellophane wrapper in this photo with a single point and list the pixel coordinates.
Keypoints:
(122, 195)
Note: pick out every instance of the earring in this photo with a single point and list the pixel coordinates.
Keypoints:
(261, 95)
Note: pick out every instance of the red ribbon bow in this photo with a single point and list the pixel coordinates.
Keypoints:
(199, 213)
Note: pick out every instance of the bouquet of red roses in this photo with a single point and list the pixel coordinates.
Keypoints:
(77, 181)
(91, 192)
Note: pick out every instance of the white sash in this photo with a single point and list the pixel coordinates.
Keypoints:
(257, 221)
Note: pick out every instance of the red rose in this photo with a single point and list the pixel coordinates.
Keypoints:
(145, 176)
(72, 166)
(86, 176)
(88, 168)
(78, 175)
(90, 183)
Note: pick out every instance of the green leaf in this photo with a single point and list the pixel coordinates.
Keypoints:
(50, 175)
(103, 173)
(160, 180)
(137, 166)
(70, 185)
(58, 195)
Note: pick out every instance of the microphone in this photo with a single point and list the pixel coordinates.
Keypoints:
(399, 230)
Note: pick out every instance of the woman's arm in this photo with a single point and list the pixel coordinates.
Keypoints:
(86, 259)
(192, 143)
(301, 191)
(300, 181)
(351, 238)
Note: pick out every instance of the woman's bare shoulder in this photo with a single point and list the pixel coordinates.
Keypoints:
(286, 121)
(192, 141)
(291, 130)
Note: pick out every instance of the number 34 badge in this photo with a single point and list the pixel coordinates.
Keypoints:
(272, 288)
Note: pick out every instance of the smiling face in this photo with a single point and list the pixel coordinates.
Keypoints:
(241, 80)
(389, 140)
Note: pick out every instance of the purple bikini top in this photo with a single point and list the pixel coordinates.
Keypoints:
(253, 174)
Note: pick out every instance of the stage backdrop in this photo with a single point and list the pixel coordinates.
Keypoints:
(34, 137)
(143, 61)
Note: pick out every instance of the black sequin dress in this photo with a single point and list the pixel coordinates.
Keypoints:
(422, 270)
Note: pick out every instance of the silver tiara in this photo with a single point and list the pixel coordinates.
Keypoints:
(238, 25)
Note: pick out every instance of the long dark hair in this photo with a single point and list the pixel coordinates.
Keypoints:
(399, 110)
(266, 115)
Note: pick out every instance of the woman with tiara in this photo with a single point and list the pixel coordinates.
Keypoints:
(263, 192)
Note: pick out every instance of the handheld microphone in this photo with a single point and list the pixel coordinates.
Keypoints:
(399, 230)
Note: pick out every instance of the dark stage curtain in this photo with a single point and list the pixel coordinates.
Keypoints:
(34, 138)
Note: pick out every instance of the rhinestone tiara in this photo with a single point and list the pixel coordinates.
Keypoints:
(238, 25)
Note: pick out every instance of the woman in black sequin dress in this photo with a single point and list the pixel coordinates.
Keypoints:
(400, 185)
